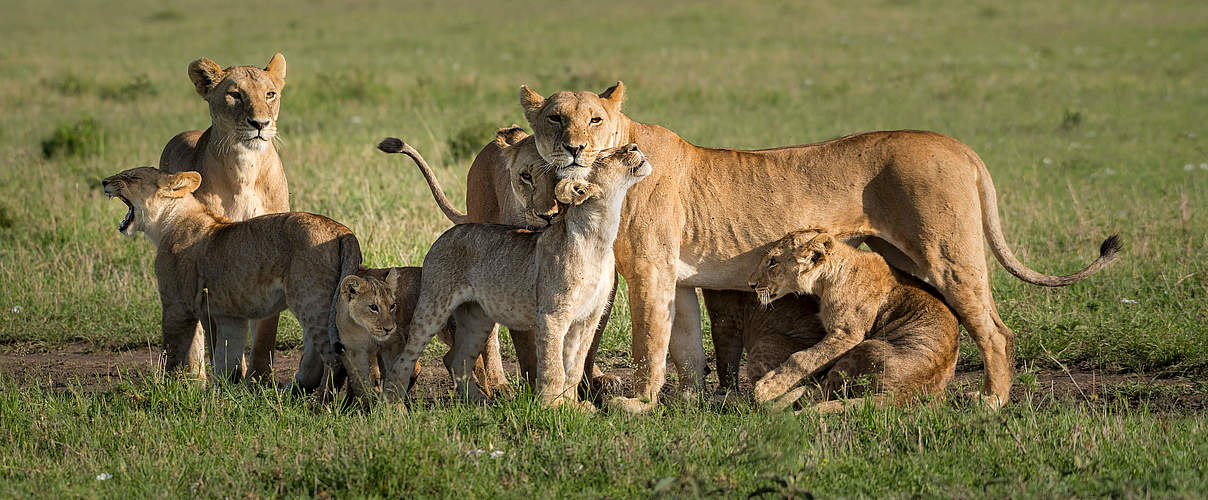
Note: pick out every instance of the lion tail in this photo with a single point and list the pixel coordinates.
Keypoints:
(1109, 250)
(350, 261)
(396, 145)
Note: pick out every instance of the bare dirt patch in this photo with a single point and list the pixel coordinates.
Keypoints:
(84, 367)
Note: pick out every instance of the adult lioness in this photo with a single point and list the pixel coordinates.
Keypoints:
(923, 200)
(492, 198)
(879, 322)
(556, 282)
(241, 173)
(221, 274)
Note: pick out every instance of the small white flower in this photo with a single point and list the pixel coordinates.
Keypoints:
(1189, 167)
(1047, 161)
(475, 452)
(356, 119)
(1204, 166)
(496, 454)
(1129, 301)
(18, 309)
(104, 476)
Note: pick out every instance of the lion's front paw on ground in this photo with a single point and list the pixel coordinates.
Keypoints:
(770, 387)
(631, 406)
(991, 401)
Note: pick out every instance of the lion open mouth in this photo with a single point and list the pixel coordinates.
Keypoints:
(129, 218)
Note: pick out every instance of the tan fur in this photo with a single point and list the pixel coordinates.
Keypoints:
(223, 274)
(242, 174)
(922, 200)
(880, 322)
(371, 307)
(490, 198)
(556, 282)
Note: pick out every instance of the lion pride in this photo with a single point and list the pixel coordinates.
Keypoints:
(704, 218)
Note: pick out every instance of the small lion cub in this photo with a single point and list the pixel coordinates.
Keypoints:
(372, 304)
(879, 321)
(225, 273)
(556, 282)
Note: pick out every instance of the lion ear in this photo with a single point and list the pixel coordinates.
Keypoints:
(615, 95)
(276, 70)
(392, 280)
(351, 286)
(509, 136)
(205, 74)
(184, 182)
(531, 102)
(574, 191)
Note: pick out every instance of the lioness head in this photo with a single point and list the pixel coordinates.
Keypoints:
(533, 181)
(572, 128)
(366, 305)
(792, 264)
(148, 193)
(613, 173)
(244, 100)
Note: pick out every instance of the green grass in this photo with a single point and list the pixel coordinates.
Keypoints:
(159, 438)
(1087, 114)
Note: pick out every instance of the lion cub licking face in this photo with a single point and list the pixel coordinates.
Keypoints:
(225, 273)
(556, 282)
(879, 322)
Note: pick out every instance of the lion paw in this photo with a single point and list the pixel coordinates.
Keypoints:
(991, 401)
(632, 406)
(768, 388)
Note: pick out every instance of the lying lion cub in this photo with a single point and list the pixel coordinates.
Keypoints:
(225, 273)
(371, 305)
(556, 282)
(879, 321)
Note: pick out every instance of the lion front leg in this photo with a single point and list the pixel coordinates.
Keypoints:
(183, 342)
(552, 329)
(651, 302)
(803, 364)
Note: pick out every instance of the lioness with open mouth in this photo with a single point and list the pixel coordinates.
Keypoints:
(222, 273)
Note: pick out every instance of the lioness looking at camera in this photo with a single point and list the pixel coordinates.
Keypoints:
(879, 322)
(242, 176)
(556, 282)
(922, 200)
(222, 273)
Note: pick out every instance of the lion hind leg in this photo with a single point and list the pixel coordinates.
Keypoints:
(473, 332)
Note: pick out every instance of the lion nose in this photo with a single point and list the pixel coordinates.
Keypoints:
(388, 329)
(573, 150)
(546, 217)
(257, 124)
(753, 285)
(105, 183)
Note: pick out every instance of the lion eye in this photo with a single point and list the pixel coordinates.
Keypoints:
(392, 306)
(555, 119)
(771, 264)
(270, 96)
(373, 307)
(596, 120)
(233, 95)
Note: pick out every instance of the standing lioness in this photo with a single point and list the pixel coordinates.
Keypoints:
(242, 176)
(702, 220)
(556, 282)
(879, 322)
(222, 273)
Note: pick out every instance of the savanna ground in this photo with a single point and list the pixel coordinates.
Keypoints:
(1090, 117)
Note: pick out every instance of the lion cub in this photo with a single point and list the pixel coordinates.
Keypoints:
(556, 282)
(225, 273)
(879, 321)
(371, 305)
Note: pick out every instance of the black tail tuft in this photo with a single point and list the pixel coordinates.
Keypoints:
(391, 145)
(1110, 247)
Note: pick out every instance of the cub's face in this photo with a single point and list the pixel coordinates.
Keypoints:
(572, 128)
(791, 265)
(147, 193)
(369, 303)
(244, 100)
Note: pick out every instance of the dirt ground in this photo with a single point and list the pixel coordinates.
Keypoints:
(84, 367)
